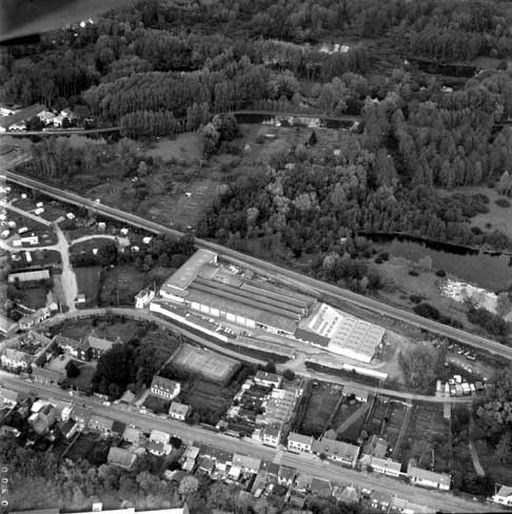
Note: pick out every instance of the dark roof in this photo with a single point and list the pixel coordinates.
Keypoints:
(67, 341)
(121, 457)
(321, 487)
(270, 467)
(66, 427)
(50, 374)
(118, 427)
(287, 472)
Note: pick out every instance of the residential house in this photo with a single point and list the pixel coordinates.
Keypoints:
(15, 359)
(503, 496)
(321, 487)
(179, 411)
(42, 420)
(46, 376)
(303, 482)
(143, 298)
(7, 326)
(337, 451)
(127, 397)
(286, 475)
(81, 415)
(68, 345)
(189, 457)
(64, 409)
(348, 494)
(159, 436)
(425, 478)
(206, 465)
(95, 347)
(100, 424)
(246, 462)
(9, 397)
(165, 388)
(158, 448)
(271, 468)
(122, 458)
(271, 436)
(132, 434)
(46, 117)
(69, 428)
(267, 379)
(300, 443)
(31, 320)
(358, 393)
(221, 458)
(388, 467)
(376, 447)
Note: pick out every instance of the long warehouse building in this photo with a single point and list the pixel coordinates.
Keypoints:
(201, 286)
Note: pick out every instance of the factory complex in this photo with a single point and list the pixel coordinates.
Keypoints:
(221, 300)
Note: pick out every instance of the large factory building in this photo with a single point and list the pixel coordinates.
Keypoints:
(209, 289)
(340, 333)
(215, 292)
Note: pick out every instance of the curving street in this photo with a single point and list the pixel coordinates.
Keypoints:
(297, 279)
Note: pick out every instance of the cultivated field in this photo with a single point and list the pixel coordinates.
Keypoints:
(206, 395)
(426, 430)
(322, 402)
(349, 420)
(120, 284)
(210, 365)
(88, 281)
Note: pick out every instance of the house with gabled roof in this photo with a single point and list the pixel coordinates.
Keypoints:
(100, 424)
(337, 451)
(132, 434)
(121, 458)
(165, 388)
(503, 495)
(15, 359)
(300, 443)
(9, 397)
(426, 478)
(286, 475)
(247, 462)
(179, 411)
(321, 487)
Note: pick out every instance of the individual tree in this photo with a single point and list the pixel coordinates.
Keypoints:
(72, 370)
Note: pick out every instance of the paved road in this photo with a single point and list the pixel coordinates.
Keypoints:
(67, 277)
(146, 315)
(293, 277)
(64, 132)
(141, 314)
(307, 464)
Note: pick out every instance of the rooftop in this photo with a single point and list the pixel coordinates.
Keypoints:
(99, 343)
(29, 276)
(299, 438)
(121, 457)
(265, 375)
(338, 449)
(164, 383)
(186, 274)
(358, 392)
(22, 115)
(432, 476)
(180, 409)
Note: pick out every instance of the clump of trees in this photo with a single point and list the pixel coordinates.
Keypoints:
(492, 323)
(421, 364)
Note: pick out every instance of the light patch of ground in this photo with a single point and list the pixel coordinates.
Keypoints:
(488, 63)
(186, 147)
(426, 285)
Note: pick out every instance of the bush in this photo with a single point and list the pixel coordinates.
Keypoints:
(494, 324)
(72, 369)
(413, 273)
(415, 298)
(441, 273)
(502, 202)
(378, 260)
(384, 256)
(289, 375)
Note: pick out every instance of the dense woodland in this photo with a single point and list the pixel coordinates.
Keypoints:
(159, 68)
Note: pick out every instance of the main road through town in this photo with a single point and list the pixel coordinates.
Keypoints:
(293, 277)
(306, 464)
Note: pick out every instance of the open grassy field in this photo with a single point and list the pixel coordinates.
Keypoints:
(88, 281)
(33, 298)
(177, 208)
(321, 403)
(212, 366)
(89, 245)
(206, 395)
(186, 147)
(119, 285)
(500, 472)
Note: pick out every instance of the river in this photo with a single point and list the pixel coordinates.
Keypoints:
(491, 272)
